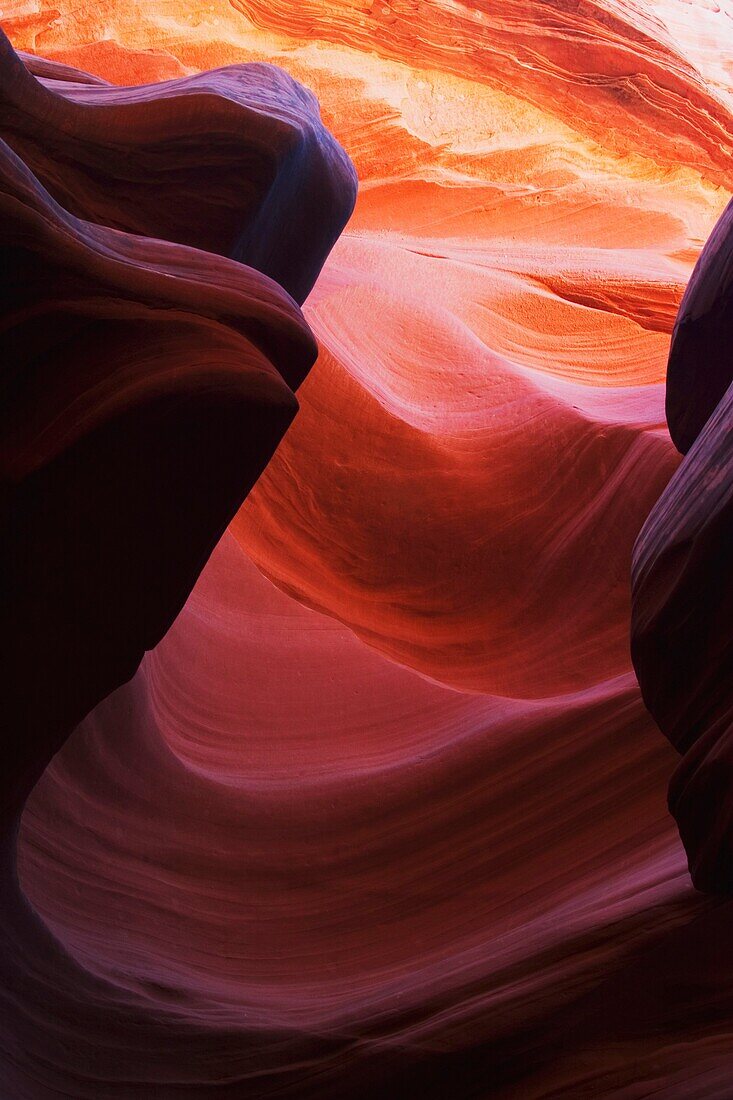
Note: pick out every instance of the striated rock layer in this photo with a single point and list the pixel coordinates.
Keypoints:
(390, 819)
(235, 162)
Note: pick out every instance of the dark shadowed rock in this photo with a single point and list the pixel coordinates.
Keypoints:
(146, 381)
(700, 367)
(682, 626)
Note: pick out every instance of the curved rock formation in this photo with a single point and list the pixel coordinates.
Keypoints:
(682, 633)
(434, 450)
(682, 643)
(700, 369)
(350, 880)
(234, 162)
(411, 839)
(142, 400)
(146, 384)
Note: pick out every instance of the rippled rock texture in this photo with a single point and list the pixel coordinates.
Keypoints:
(383, 814)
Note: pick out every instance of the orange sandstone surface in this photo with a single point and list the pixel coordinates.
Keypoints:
(402, 792)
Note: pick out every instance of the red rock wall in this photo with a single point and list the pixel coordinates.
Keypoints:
(383, 814)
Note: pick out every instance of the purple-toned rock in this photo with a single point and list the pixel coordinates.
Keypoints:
(682, 624)
(235, 161)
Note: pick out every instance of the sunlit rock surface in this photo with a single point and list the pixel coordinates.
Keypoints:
(384, 814)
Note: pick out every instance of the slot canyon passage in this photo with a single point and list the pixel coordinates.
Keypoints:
(383, 811)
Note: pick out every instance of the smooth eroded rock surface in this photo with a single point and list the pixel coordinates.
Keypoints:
(393, 821)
